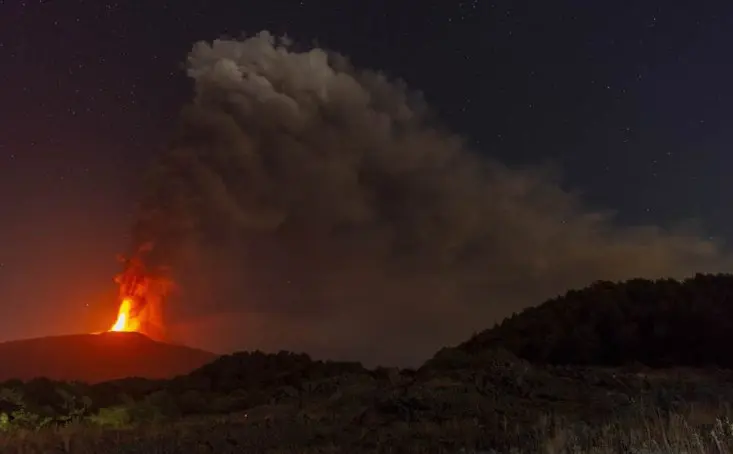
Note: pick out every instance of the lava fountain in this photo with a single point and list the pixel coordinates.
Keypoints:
(141, 300)
(125, 322)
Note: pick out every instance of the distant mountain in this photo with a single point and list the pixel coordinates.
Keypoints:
(658, 323)
(94, 358)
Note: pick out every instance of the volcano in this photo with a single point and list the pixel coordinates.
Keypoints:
(94, 358)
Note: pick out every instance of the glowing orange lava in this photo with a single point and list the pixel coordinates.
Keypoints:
(126, 322)
(141, 298)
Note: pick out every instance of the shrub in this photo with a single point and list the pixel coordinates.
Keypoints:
(115, 417)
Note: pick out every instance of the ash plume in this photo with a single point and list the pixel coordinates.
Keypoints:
(308, 205)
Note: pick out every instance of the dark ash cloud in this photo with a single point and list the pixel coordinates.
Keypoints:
(309, 205)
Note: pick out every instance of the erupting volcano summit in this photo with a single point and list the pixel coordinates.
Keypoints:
(134, 346)
(141, 299)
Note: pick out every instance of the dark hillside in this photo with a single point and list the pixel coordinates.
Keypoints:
(657, 323)
(94, 358)
(245, 371)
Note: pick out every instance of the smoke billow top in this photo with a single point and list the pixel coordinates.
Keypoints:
(308, 205)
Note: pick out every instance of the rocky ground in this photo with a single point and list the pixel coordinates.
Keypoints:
(455, 403)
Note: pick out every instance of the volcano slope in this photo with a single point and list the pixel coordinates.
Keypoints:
(660, 323)
(476, 397)
(94, 358)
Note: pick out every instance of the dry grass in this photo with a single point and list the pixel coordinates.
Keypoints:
(697, 431)
(700, 430)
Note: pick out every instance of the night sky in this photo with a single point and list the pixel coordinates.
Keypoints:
(629, 100)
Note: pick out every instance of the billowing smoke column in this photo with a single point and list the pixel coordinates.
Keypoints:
(308, 205)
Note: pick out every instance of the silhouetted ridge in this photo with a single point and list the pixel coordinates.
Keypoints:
(94, 358)
(257, 370)
(658, 323)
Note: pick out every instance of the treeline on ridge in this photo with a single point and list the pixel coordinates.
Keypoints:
(658, 323)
